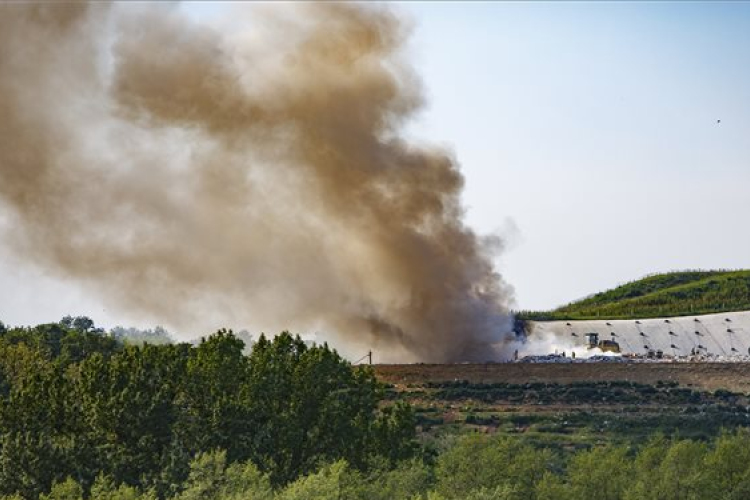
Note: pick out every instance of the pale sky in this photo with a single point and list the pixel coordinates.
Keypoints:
(593, 128)
(588, 134)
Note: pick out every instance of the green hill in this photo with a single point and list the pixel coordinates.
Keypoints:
(670, 294)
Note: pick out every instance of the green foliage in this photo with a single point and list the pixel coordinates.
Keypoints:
(646, 468)
(661, 469)
(308, 407)
(57, 342)
(66, 490)
(726, 466)
(409, 479)
(79, 323)
(551, 487)
(497, 465)
(600, 474)
(680, 472)
(104, 488)
(322, 485)
(211, 478)
(135, 336)
(127, 419)
(474, 468)
(670, 294)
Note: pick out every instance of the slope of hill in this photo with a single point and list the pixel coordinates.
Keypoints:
(668, 294)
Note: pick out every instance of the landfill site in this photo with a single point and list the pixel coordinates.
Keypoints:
(706, 352)
(721, 337)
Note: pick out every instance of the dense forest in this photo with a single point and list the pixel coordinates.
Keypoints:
(77, 403)
(668, 294)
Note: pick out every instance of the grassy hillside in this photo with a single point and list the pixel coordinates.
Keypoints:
(669, 294)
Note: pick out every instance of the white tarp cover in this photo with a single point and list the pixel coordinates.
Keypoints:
(719, 335)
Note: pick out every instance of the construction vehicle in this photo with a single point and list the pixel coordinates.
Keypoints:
(593, 342)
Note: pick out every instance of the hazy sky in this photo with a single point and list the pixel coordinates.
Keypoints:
(588, 134)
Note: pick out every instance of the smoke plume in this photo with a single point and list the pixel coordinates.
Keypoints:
(252, 177)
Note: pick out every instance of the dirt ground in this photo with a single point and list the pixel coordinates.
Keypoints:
(707, 376)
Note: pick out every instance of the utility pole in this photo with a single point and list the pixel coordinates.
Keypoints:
(367, 356)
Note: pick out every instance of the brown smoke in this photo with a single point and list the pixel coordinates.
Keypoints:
(254, 178)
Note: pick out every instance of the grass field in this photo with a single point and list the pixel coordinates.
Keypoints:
(668, 294)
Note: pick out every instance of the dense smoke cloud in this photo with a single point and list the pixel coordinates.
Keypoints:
(254, 178)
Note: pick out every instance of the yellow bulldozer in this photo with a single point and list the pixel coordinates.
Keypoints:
(593, 342)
